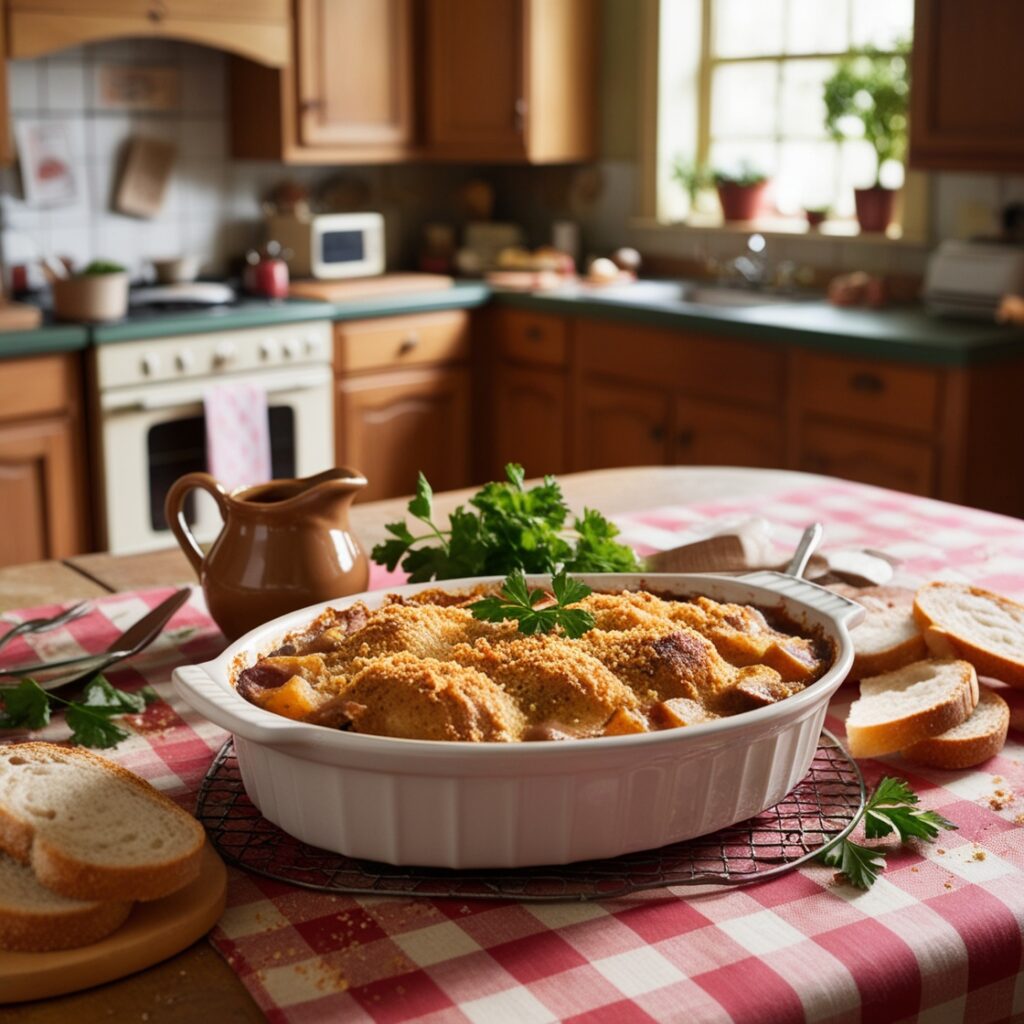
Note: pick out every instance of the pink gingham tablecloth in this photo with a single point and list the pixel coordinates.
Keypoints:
(938, 937)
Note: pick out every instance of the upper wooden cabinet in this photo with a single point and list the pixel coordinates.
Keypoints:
(257, 29)
(967, 104)
(511, 80)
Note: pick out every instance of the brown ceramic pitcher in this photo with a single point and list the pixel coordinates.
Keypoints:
(284, 545)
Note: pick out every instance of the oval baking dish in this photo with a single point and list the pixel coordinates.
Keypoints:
(496, 805)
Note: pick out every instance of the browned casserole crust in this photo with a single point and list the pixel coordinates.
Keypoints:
(424, 668)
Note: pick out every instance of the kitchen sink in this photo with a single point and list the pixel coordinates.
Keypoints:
(671, 293)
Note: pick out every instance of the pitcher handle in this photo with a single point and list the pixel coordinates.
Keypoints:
(174, 510)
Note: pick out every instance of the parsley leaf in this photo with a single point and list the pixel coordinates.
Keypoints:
(25, 706)
(107, 699)
(92, 727)
(890, 808)
(505, 527)
(517, 601)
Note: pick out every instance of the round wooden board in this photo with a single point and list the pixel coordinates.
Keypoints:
(153, 932)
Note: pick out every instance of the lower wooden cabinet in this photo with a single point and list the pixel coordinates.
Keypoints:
(392, 425)
(714, 434)
(530, 421)
(621, 425)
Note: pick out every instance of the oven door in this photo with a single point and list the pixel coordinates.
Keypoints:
(152, 435)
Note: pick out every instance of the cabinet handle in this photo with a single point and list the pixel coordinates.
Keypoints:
(534, 333)
(687, 437)
(869, 383)
(158, 11)
(310, 106)
(658, 432)
(519, 114)
(409, 342)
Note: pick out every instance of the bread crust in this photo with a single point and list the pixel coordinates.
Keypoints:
(64, 929)
(83, 880)
(945, 643)
(966, 752)
(889, 737)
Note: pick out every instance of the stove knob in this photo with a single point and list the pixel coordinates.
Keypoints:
(291, 348)
(268, 349)
(150, 364)
(184, 361)
(310, 345)
(224, 353)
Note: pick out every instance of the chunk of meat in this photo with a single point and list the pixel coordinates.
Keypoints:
(271, 672)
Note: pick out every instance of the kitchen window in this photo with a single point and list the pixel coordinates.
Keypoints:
(741, 84)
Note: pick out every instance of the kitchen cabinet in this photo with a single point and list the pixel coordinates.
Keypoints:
(259, 30)
(622, 425)
(511, 80)
(530, 421)
(709, 433)
(967, 105)
(402, 401)
(348, 95)
(42, 473)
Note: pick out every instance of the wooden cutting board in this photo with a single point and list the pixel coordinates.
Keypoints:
(19, 316)
(369, 287)
(153, 932)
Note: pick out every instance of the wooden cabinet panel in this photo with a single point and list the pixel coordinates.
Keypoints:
(967, 104)
(869, 391)
(38, 385)
(38, 476)
(712, 434)
(528, 337)
(391, 426)
(701, 365)
(619, 425)
(531, 421)
(400, 341)
(354, 67)
(870, 457)
(476, 89)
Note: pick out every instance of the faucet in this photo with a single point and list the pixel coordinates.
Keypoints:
(752, 267)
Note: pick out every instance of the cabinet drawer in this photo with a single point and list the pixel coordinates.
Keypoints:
(906, 397)
(33, 387)
(399, 341)
(867, 456)
(715, 434)
(537, 338)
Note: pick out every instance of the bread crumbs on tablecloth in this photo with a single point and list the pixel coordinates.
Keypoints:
(979, 854)
(1001, 799)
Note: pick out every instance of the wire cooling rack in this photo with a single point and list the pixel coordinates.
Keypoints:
(822, 809)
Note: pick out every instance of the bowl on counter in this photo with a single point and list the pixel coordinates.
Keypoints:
(507, 805)
(91, 298)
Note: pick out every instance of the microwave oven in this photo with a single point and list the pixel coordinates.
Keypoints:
(329, 245)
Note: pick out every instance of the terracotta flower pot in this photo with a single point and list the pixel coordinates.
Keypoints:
(874, 207)
(741, 202)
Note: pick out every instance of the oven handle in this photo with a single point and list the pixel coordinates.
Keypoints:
(168, 399)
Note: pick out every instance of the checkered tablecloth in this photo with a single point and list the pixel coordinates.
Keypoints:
(938, 937)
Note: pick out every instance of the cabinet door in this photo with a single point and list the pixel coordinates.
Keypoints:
(475, 103)
(390, 426)
(967, 104)
(355, 75)
(886, 460)
(38, 491)
(530, 411)
(622, 426)
(714, 434)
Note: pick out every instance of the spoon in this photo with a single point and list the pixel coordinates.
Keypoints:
(809, 541)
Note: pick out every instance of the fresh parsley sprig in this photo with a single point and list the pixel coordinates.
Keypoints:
(517, 601)
(890, 808)
(506, 527)
(27, 706)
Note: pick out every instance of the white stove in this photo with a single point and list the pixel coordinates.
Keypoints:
(148, 406)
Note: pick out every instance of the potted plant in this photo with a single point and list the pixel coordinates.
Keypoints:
(741, 192)
(691, 177)
(816, 216)
(94, 295)
(866, 98)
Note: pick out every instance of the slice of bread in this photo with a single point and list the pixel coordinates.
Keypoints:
(959, 621)
(90, 829)
(888, 637)
(900, 708)
(982, 736)
(33, 919)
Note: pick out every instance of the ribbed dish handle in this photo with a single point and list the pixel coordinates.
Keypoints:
(842, 609)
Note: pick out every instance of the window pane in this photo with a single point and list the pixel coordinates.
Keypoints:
(882, 23)
(802, 106)
(858, 167)
(807, 177)
(746, 28)
(743, 99)
(733, 155)
(817, 26)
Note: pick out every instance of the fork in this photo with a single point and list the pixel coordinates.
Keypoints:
(76, 611)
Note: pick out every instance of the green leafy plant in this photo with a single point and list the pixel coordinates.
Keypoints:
(690, 176)
(517, 601)
(890, 808)
(867, 98)
(744, 176)
(506, 527)
(28, 706)
(98, 267)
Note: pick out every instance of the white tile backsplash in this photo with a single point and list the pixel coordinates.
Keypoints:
(65, 86)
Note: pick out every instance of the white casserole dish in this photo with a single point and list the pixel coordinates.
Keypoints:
(498, 805)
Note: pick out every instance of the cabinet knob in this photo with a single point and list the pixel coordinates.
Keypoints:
(519, 114)
(868, 383)
(534, 333)
(687, 437)
(157, 10)
(658, 432)
(409, 342)
(311, 106)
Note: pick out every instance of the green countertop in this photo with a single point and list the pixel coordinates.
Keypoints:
(906, 334)
(902, 333)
